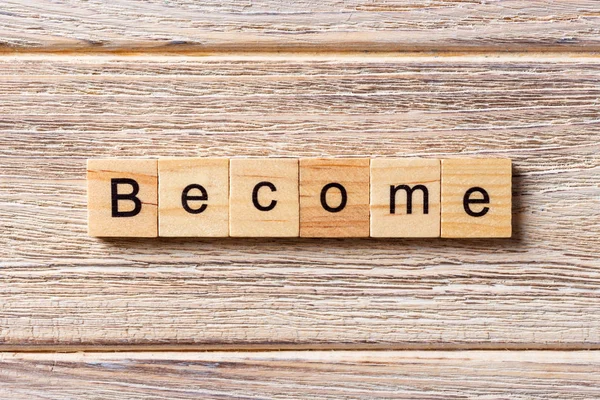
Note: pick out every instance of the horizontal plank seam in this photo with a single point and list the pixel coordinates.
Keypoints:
(173, 50)
(271, 351)
(261, 57)
(445, 58)
(61, 348)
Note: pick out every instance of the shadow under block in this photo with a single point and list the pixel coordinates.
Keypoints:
(122, 197)
(264, 198)
(405, 197)
(334, 197)
(193, 197)
(476, 198)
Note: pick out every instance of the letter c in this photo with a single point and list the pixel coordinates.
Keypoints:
(255, 196)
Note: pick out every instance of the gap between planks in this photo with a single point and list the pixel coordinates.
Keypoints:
(303, 347)
(334, 49)
(591, 56)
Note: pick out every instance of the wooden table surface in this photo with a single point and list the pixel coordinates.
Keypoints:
(89, 318)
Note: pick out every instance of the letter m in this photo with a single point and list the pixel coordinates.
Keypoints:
(409, 197)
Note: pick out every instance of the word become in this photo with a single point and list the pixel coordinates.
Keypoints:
(352, 197)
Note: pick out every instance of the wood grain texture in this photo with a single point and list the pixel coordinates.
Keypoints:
(204, 184)
(302, 375)
(405, 197)
(110, 182)
(484, 188)
(334, 197)
(323, 25)
(268, 183)
(541, 288)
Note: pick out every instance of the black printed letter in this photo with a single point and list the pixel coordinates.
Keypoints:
(255, 196)
(115, 197)
(324, 197)
(185, 198)
(467, 201)
(409, 193)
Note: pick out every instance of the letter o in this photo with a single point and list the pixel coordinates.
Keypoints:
(342, 204)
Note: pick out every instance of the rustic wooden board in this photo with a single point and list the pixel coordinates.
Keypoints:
(322, 375)
(59, 287)
(324, 25)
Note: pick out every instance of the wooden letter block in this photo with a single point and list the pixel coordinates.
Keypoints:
(334, 197)
(122, 197)
(264, 198)
(405, 197)
(476, 198)
(193, 197)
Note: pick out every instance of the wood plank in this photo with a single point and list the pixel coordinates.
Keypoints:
(323, 375)
(539, 289)
(275, 25)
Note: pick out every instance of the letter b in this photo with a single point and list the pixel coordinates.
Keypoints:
(116, 197)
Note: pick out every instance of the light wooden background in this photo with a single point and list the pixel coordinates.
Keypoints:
(88, 318)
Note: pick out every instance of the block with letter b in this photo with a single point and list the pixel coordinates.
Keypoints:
(476, 198)
(122, 197)
(405, 197)
(193, 197)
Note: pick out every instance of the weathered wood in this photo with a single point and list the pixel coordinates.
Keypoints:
(283, 375)
(324, 25)
(60, 287)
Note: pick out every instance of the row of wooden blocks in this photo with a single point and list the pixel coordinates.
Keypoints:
(269, 197)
